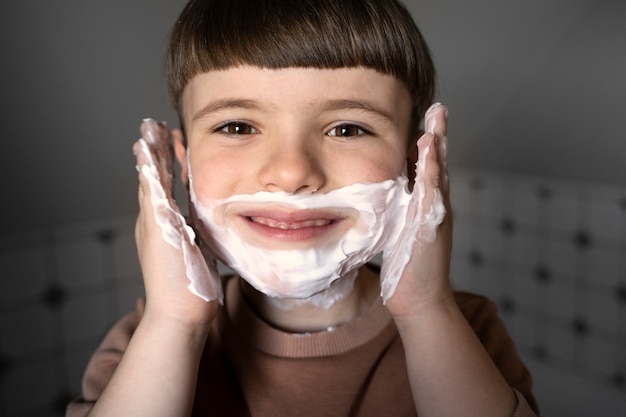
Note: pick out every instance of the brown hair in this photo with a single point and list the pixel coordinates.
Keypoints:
(377, 34)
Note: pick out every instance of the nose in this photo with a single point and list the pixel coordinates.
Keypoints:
(292, 168)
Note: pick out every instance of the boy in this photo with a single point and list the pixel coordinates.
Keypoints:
(299, 119)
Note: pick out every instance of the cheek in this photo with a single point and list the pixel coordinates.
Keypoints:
(215, 177)
(372, 168)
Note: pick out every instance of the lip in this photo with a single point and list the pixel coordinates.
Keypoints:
(292, 226)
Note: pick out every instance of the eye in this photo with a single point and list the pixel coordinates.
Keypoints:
(236, 129)
(347, 130)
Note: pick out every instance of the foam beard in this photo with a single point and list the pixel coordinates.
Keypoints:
(379, 213)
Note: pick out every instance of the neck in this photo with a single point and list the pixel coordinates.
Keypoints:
(345, 300)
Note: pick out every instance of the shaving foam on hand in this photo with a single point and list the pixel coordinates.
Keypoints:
(421, 218)
(202, 274)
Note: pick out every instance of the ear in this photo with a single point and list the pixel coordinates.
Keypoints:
(180, 149)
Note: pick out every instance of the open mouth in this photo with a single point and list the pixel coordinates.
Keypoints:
(290, 225)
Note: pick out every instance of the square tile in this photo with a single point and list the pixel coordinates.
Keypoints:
(526, 250)
(32, 329)
(563, 213)
(527, 208)
(86, 317)
(125, 256)
(24, 272)
(563, 258)
(490, 200)
(80, 262)
(560, 301)
(600, 356)
(32, 387)
(604, 267)
(561, 343)
(602, 311)
(524, 289)
(604, 215)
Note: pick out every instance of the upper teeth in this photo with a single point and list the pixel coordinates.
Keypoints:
(290, 225)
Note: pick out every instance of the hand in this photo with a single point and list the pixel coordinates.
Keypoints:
(172, 264)
(426, 240)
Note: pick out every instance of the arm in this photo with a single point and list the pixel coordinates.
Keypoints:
(157, 373)
(449, 370)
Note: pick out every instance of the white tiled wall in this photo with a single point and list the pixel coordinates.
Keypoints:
(553, 254)
(60, 290)
(515, 241)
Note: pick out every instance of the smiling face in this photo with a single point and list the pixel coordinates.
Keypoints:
(295, 131)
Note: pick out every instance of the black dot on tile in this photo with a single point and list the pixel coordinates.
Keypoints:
(542, 274)
(618, 380)
(508, 226)
(475, 258)
(106, 235)
(477, 184)
(544, 193)
(622, 203)
(620, 294)
(507, 304)
(540, 353)
(580, 327)
(54, 296)
(582, 239)
(5, 366)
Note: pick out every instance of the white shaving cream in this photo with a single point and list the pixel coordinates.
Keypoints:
(303, 272)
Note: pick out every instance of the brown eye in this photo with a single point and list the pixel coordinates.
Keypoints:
(237, 128)
(346, 131)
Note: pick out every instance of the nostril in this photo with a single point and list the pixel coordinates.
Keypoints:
(306, 189)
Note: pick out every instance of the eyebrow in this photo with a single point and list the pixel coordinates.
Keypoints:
(218, 105)
(342, 104)
(331, 105)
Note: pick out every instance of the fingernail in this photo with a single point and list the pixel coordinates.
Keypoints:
(136, 148)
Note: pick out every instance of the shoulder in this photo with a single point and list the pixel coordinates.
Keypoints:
(474, 306)
(482, 315)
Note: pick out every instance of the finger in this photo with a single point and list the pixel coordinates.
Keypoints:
(143, 159)
(436, 119)
(159, 140)
(427, 168)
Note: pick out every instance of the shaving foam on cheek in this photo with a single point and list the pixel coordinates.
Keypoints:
(303, 273)
(203, 277)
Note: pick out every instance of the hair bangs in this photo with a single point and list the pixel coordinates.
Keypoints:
(219, 34)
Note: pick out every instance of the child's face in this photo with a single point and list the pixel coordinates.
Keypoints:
(297, 130)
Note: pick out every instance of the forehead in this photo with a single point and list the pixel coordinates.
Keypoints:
(298, 89)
